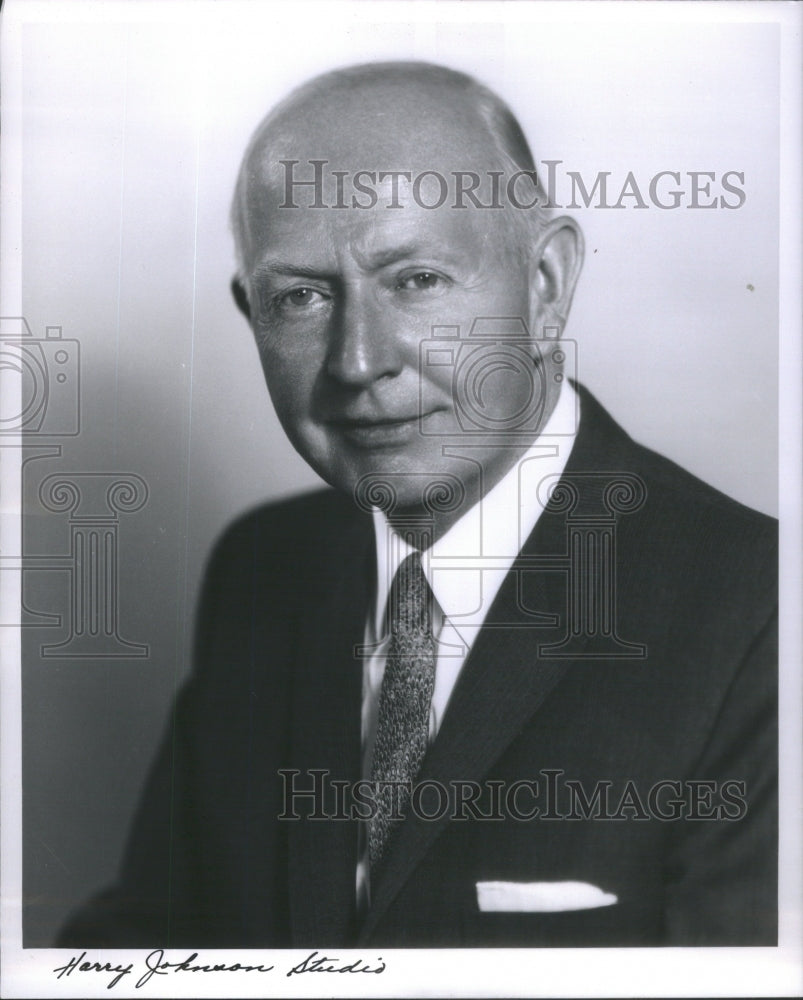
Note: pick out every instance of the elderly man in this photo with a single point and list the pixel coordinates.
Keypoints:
(512, 681)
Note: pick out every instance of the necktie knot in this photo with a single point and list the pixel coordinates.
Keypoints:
(411, 600)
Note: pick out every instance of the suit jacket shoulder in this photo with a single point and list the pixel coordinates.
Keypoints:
(698, 541)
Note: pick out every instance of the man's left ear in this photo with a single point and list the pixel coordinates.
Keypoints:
(559, 261)
(241, 297)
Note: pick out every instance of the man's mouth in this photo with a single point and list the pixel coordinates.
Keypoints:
(379, 431)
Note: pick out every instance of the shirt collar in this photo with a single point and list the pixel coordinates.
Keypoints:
(466, 566)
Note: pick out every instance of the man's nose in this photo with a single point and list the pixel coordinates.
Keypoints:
(364, 345)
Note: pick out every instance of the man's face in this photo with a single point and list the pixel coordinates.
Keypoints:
(342, 301)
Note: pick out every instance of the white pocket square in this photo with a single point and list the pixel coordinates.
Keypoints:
(540, 897)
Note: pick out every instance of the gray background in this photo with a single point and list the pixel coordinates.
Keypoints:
(131, 140)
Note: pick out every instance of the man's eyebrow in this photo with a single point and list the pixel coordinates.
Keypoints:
(272, 266)
(371, 261)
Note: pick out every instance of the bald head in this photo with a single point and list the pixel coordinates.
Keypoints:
(414, 118)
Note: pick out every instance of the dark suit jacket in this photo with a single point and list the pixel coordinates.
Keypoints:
(276, 686)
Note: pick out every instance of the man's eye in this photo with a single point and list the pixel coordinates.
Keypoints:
(421, 281)
(300, 297)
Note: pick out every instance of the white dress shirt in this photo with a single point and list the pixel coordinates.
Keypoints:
(465, 569)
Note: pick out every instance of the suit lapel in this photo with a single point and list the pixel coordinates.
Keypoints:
(326, 736)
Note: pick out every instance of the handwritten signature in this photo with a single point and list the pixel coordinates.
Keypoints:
(324, 964)
(156, 965)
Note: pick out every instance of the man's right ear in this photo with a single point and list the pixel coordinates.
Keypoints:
(241, 297)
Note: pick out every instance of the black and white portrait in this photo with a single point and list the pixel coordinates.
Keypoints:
(394, 399)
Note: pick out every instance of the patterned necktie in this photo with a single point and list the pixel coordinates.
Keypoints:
(402, 730)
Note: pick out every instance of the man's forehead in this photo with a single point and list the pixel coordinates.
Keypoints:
(370, 156)
(384, 126)
(371, 238)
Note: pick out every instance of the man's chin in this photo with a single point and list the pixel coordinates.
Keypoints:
(401, 488)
